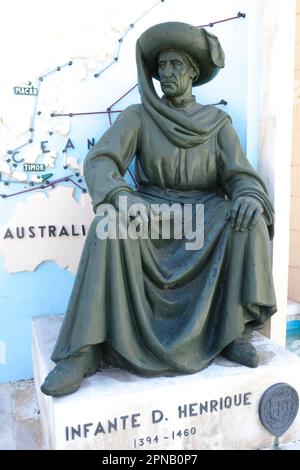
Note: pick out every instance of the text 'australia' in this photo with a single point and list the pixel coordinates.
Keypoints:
(44, 231)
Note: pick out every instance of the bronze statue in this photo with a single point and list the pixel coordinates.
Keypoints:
(150, 305)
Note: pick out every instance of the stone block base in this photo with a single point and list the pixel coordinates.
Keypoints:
(216, 408)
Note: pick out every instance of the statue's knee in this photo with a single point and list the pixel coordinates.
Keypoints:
(260, 227)
(261, 224)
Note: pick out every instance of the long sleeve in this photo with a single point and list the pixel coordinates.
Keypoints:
(107, 162)
(238, 177)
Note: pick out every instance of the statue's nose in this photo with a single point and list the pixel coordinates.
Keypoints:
(167, 70)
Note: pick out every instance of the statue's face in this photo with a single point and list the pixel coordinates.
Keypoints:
(175, 73)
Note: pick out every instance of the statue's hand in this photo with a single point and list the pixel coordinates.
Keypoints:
(244, 213)
(134, 204)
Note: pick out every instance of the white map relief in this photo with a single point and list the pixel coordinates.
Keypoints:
(81, 56)
(26, 239)
(50, 224)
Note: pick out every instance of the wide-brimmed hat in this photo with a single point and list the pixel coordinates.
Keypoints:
(204, 47)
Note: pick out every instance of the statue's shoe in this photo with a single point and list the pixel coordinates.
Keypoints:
(242, 352)
(68, 374)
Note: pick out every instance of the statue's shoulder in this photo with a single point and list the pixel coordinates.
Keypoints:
(134, 109)
(216, 113)
(213, 118)
(130, 116)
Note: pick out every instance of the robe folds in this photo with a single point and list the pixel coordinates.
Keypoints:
(157, 306)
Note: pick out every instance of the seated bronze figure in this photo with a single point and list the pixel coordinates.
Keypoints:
(150, 305)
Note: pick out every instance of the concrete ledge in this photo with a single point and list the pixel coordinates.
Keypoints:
(213, 409)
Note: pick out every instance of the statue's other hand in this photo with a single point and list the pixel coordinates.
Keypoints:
(135, 205)
(244, 213)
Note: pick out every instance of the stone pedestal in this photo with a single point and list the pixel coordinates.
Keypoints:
(213, 409)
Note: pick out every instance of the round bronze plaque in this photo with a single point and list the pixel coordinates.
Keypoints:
(278, 408)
